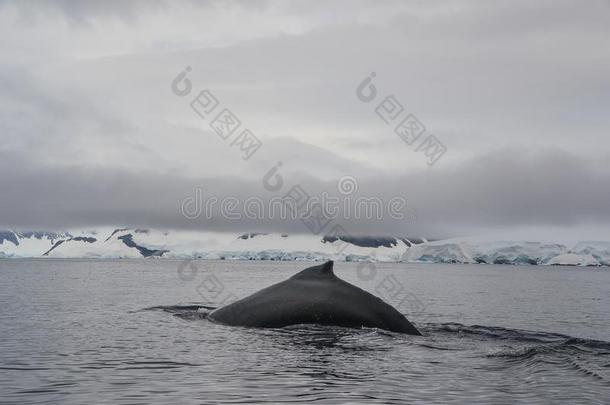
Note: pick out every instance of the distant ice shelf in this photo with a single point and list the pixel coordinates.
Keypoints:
(120, 243)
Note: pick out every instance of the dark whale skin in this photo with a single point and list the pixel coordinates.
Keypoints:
(313, 296)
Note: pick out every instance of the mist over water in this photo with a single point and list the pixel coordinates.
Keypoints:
(133, 331)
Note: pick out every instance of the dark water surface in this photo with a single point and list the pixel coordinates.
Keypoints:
(134, 332)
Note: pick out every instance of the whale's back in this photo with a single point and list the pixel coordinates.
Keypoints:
(314, 295)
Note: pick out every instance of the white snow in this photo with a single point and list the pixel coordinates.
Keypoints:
(571, 259)
(229, 246)
(599, 250)
(438, 252)
(512, 252)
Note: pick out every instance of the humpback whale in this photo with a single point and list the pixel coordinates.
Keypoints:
(315, 295)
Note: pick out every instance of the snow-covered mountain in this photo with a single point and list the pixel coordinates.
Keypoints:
(149, 243)
(136, 243)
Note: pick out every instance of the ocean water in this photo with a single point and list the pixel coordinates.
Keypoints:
(135, 332)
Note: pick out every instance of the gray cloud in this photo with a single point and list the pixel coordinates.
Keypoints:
(90, 133)
(502, 189)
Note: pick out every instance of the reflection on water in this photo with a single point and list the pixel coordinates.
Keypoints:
(132, 332)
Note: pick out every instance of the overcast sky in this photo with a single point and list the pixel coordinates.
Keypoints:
(517, 91)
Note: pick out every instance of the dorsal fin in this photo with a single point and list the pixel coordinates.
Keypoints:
(322, 270)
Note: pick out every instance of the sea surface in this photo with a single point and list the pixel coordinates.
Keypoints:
(135, 332)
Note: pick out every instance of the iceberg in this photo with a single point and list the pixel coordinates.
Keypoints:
(438, 252)
(511, 252)
(572, 259)
(599, 250)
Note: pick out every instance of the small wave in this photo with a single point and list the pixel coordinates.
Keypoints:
(155, 365)
(558, 355)
(522, 352)
(531, 350)
(592, 370)
(520, 335)
(180, 308)
(188, 312)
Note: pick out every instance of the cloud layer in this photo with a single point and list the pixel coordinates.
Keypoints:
(91, 134)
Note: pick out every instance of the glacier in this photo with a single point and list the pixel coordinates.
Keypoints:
(131, 243)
